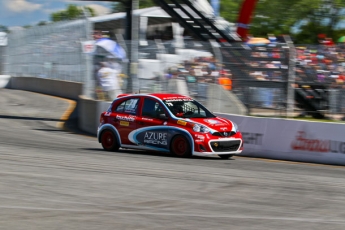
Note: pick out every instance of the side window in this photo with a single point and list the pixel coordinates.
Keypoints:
(151, 108)
(129, 106)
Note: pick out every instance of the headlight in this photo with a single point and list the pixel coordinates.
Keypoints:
(200, 128)
(235, 128)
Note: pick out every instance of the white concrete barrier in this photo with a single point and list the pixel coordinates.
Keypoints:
(66, 89)
(89, 113)
(4, 80)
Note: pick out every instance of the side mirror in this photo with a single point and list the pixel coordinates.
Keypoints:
(163, 116)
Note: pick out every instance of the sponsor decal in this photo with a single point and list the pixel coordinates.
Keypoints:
(147, 119)
(252, 138)
(126, 118)
(165, 123)
(223, 128)
(224, 120)
(156, 138)
(181, 122)
(107, 114)
(178, 99)
(303, 143)
(199, 137)
(124, 123)
(212, 122)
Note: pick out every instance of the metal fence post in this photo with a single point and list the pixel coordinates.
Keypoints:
(89, 85)
(215, 47)
(291, 77)
(134, 48)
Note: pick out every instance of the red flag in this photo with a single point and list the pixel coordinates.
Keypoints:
(245, 18)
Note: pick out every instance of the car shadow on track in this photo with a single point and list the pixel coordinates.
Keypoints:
(152, 153)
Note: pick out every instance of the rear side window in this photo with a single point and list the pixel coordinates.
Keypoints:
(129, 106)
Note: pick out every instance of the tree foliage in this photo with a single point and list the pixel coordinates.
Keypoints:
(42, 23)
(3, 28)
(304, 19)
(72, 12)
(121, 5)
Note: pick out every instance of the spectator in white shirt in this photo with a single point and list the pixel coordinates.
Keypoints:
(108, 80)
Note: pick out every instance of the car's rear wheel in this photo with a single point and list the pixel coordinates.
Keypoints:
(180, 146)
(109, 141)
(225, 156)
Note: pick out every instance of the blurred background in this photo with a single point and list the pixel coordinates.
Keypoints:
(249, 57)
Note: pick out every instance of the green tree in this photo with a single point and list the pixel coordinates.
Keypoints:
(320, 17)
(229, 10)
(121, 5)
(72, 12)
(3, 28)
(42, 23)
(303, 18)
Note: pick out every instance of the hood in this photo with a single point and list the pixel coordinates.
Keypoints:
(216, 123)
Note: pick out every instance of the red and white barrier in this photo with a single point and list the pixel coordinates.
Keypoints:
(285, 139)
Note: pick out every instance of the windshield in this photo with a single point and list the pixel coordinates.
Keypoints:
(187, 108)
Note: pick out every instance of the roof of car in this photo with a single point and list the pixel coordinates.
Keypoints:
(169, 96)
(162, 96)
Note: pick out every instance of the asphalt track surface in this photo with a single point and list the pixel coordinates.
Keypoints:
(52, 178)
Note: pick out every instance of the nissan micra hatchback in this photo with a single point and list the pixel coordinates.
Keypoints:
(167, 123)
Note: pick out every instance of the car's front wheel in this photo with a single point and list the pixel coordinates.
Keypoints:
(225, 156)
(109, 141)
(180, 146)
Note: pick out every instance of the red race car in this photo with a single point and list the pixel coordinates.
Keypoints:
(169, 123)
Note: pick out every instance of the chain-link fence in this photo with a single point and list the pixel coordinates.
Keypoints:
(53, 51)
(258, 77)
(320, 72)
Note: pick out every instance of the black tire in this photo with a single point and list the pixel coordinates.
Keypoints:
(180, 147)
(109, 141)
(225, 156)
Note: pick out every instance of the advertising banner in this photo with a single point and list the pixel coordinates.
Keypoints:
(285, 139)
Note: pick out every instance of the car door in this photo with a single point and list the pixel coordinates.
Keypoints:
(152, 130)
(124, 116)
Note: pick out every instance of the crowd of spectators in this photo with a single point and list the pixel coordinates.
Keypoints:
(271, 69)
(199, 72)
(324, 64)
(320, 64)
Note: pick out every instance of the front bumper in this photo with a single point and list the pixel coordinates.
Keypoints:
(221, 146)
